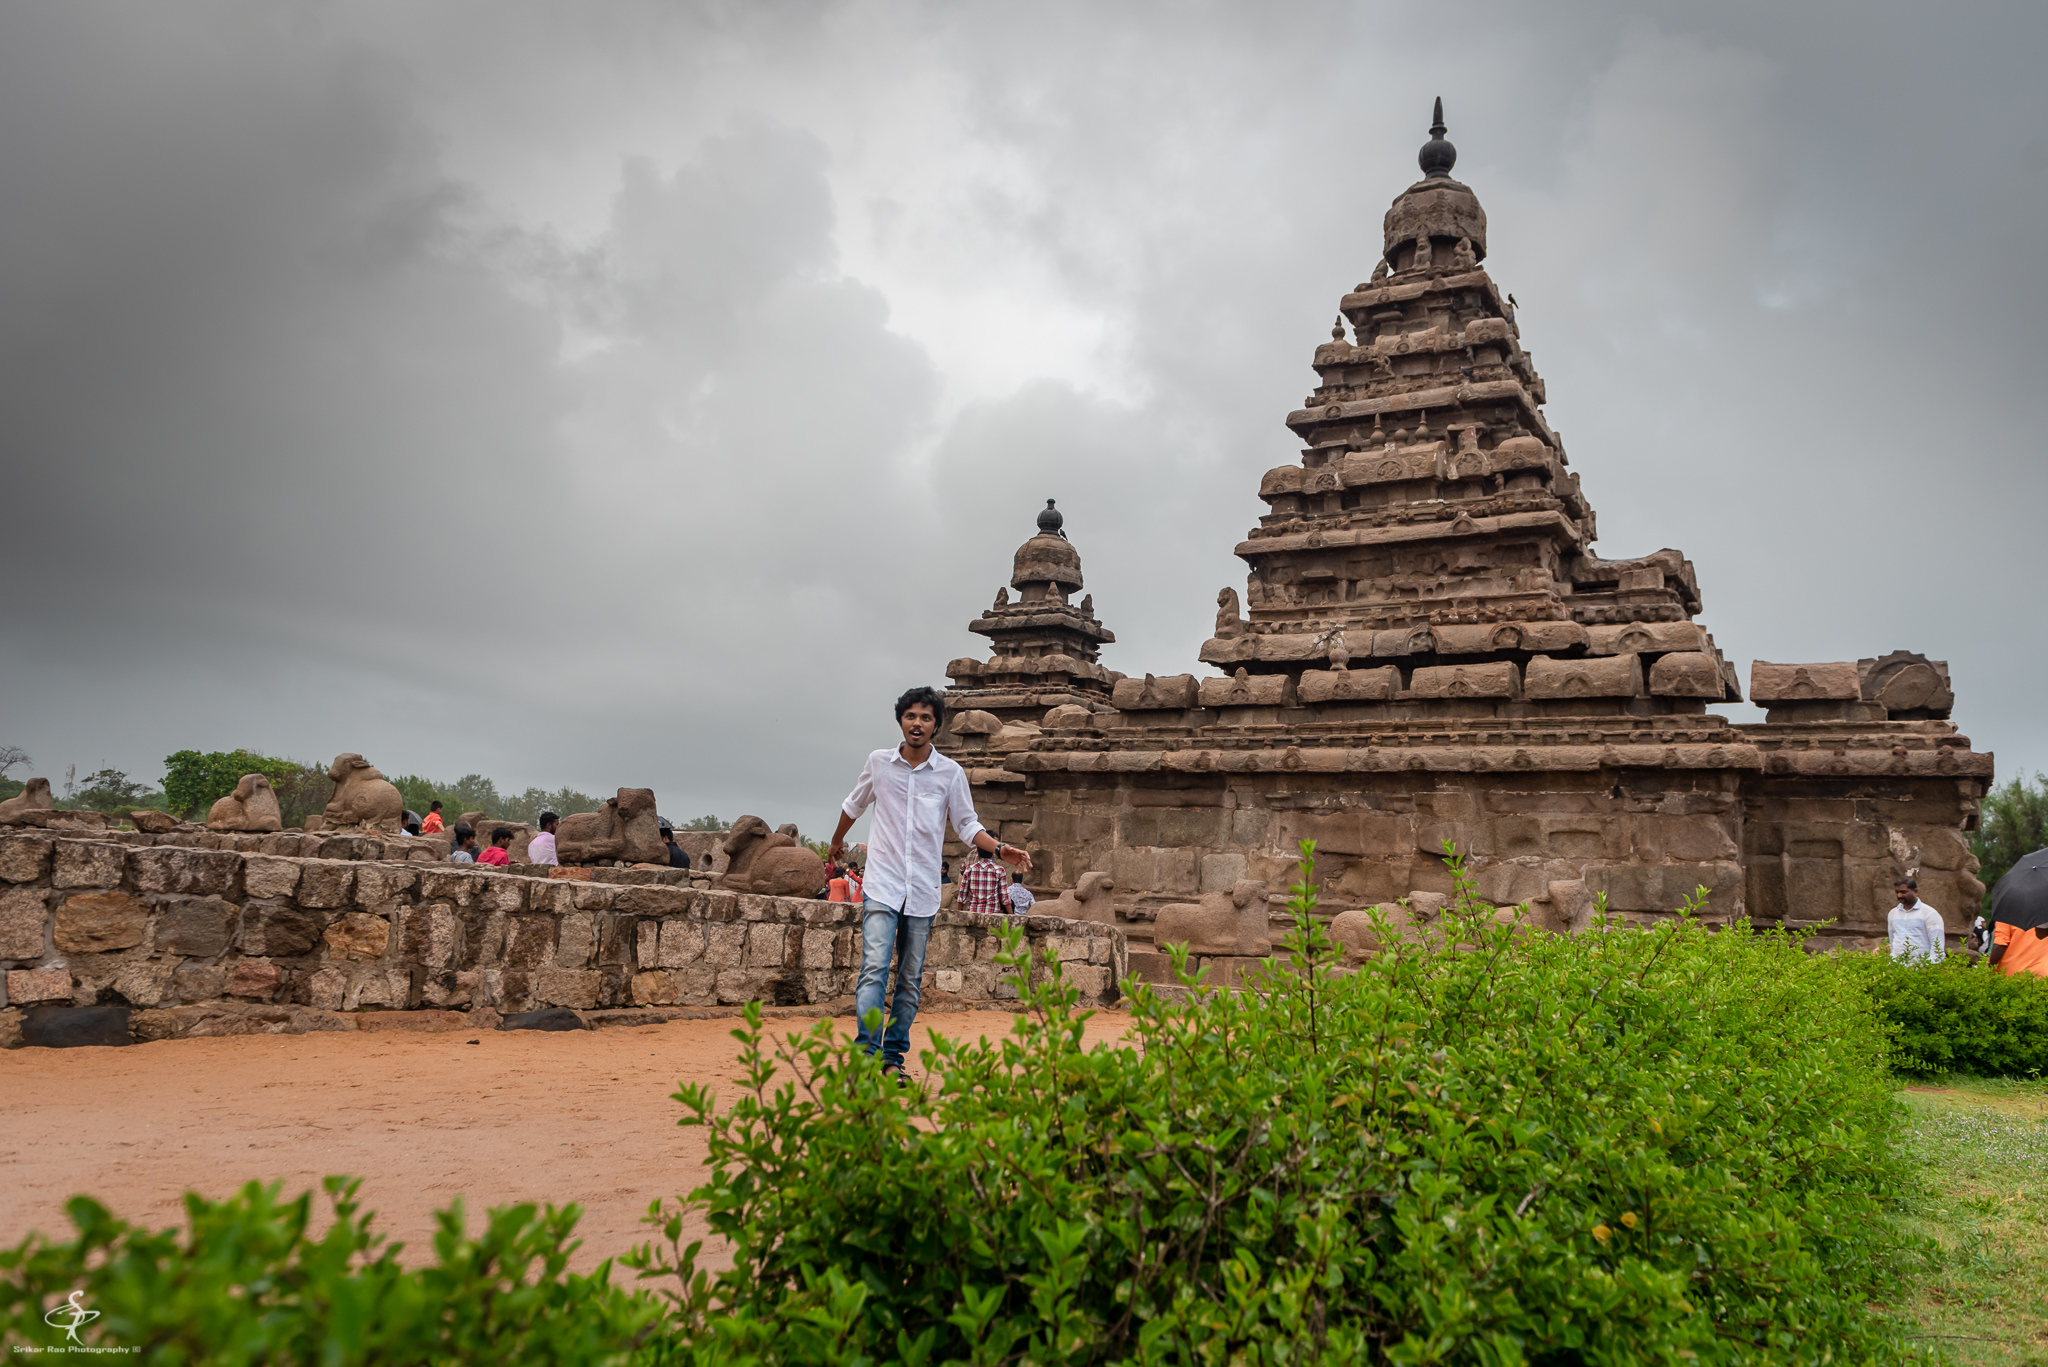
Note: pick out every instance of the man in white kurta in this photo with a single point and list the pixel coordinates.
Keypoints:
(1916, 929)
(915, 792)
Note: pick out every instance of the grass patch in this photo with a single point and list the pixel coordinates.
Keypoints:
(1981, 1146)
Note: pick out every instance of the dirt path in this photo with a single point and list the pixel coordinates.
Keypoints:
(580, 1116)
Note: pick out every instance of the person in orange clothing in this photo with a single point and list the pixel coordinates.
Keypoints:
(433, 821)
(2019, 912)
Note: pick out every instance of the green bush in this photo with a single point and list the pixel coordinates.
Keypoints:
(245, 1285)
(1482, 1146)
(1956, 1016)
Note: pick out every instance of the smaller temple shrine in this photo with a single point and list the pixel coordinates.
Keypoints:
(1046, 649)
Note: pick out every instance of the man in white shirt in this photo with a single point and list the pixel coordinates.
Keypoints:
(915, 792)
(541, 849)
(1917, 932)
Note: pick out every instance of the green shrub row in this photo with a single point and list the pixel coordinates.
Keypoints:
(1488, 1147)
(1957, 1016)
(245, 1286)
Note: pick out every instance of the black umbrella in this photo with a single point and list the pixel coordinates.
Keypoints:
(2021, 897)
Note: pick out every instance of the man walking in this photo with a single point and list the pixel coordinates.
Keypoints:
(1916, 929)
(982, 883)
(915, 792)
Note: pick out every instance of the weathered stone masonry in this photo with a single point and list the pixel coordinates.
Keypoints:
(215, 941)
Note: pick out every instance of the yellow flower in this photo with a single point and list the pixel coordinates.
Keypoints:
(1602, 1233)
(1628, 1217)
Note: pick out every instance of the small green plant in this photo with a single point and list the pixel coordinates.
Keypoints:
(245, 1284)
(1481, 1145)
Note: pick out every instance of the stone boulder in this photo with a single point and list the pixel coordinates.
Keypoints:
(362, 796)
(772, 862)
(76, 1027)
(251, 807)
(627, 828)
(1087, 900)
(35, 797)
(150, 821)
(1231, 922)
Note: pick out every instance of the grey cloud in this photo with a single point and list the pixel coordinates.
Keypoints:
(489, 388)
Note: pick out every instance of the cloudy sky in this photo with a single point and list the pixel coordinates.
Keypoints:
(643, 394)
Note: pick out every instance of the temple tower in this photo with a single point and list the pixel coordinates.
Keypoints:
(1428, 650)
(1433, 521)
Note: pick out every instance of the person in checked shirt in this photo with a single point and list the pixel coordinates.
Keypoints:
(916, 792)
(982, 884)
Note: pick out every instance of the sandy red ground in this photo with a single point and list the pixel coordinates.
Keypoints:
(581, 1116)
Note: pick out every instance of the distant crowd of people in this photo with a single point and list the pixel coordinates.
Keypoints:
(540, 849)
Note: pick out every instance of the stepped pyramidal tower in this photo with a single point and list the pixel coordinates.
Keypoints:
(1428, 649)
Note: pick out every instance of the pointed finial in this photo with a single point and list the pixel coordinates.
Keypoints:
(1050, 520)
(1337, 329)
(1437, 156)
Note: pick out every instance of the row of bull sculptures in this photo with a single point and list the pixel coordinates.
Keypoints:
(625, 830)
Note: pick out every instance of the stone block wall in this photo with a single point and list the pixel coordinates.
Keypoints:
(182, 934)
(1645, 843)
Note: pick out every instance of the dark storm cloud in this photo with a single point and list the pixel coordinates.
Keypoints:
(643, 394)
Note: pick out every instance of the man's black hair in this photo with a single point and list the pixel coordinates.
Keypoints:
(1912, 883)
(930, 697)
(435, 805)
(501, 833)
(464, 831)
(984, 854)
(546, 817)
(1017, 877)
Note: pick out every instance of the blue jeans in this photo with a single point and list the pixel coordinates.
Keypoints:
(883, 931)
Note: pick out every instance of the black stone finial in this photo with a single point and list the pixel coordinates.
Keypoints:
(1050, 520)
(1437, 156)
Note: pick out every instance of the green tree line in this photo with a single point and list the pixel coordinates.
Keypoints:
(194, 780)
(2014, 823)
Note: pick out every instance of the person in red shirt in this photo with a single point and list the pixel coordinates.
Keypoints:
(982, 884)
(500, 851)
(433, 821)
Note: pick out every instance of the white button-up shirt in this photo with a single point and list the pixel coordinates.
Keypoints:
(1917, 933)
(912, 806)
(541, 849)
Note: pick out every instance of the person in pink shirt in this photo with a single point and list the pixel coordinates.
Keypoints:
(541, 849)
(500, 851)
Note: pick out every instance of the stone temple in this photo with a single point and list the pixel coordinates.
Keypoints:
(1428, 649)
